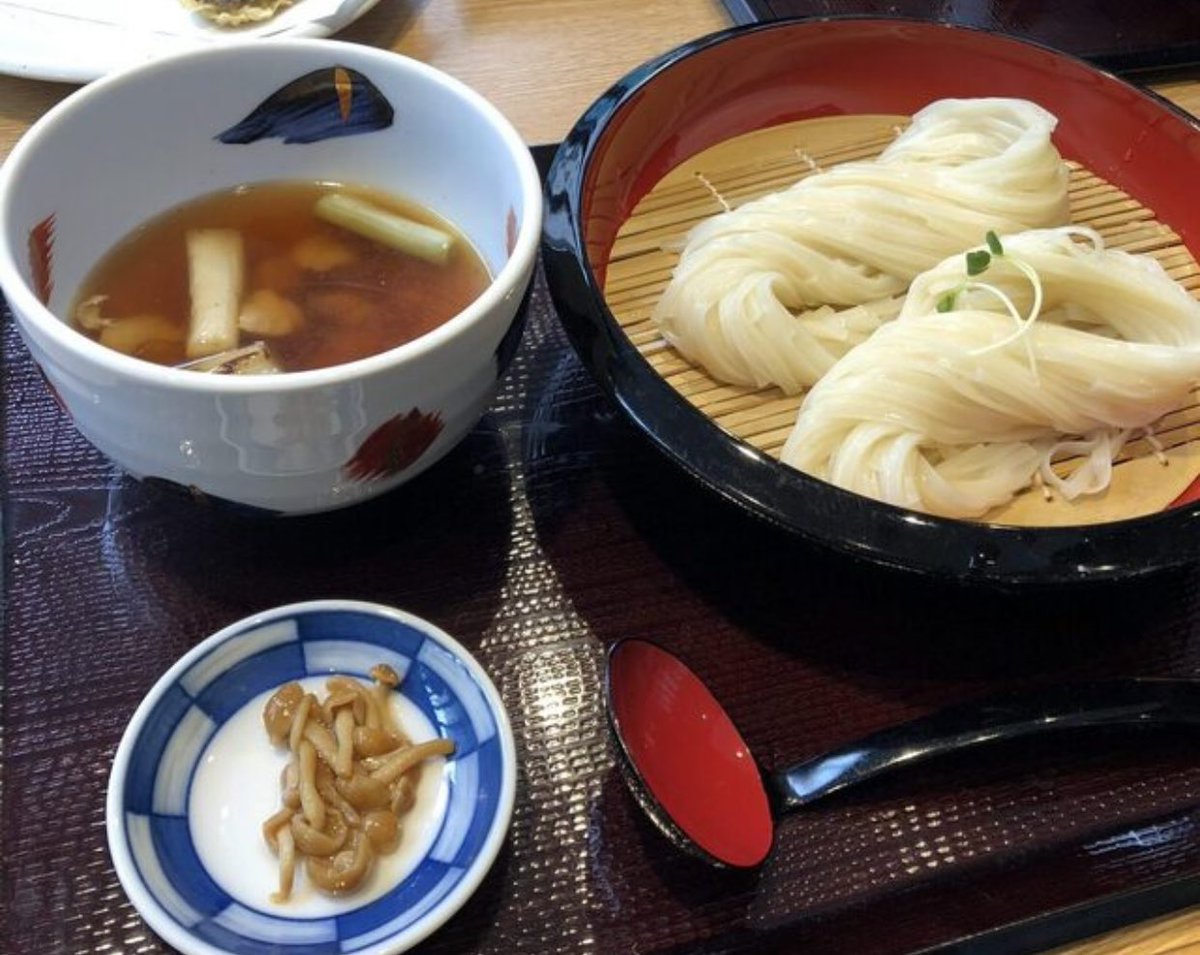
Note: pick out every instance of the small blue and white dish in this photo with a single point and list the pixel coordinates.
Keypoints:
(195, 776)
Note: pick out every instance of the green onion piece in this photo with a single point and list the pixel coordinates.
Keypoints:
(993, 243)
(978, 261)
(413, 238)
(946, 302)
(215, 281)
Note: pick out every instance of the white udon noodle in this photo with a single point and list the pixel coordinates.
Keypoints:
(840, 245)
(952, 413)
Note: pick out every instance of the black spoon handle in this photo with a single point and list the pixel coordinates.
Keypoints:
(1137, 702)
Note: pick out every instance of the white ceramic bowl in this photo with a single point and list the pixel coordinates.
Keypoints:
(134, 144)
(195, 775)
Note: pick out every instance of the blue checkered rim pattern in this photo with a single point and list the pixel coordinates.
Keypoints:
(215, 686)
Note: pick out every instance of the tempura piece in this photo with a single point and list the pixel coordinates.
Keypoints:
(89, 313)
(237, 13)
(320, 253)
(135, 333)
(268, 313)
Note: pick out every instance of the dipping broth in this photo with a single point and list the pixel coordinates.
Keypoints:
(303, 291)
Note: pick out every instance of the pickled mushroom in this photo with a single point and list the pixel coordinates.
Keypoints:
(329, 792)
(299, 722)
(345, 871)
(344, 692)
(315, 842)
(404, 794)
(271, 827)
(401, 761)
(280, 710)
(287, 865)
(364, 792)
(311, 802)
(352, 776)
(343, 727)
(374, 741)
(382, 828)
(384, 675)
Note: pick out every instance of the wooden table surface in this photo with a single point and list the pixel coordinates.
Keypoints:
(582, 46)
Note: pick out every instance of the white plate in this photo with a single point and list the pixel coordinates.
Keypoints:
(80, 40)
(194, 776)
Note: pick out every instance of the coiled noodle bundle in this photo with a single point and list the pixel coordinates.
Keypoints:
(853, 237)
(954, 412)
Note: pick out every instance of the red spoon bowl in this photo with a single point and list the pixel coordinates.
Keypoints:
(685, 761)
(691, 771)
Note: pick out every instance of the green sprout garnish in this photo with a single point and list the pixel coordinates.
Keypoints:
(978, 261)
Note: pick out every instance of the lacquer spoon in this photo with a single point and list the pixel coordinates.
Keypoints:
(693, 774)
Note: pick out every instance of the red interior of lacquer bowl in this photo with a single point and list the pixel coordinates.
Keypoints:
(805, 69)
(801, 70)
(689, 754)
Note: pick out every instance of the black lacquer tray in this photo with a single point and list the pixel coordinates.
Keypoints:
(1113, 34)
(552, 531)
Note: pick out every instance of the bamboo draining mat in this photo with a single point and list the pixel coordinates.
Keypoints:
(749, 166)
